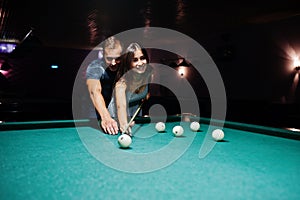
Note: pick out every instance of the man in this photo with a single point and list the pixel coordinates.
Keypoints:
(100, 76)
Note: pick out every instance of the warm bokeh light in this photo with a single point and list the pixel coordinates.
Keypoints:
(181, 71)
(181, 11)
(293, 129)
(5, 73)
(289, 53)
(296, 62)
(93, 27)
(148, 14)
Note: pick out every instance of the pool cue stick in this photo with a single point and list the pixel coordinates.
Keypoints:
(132, 118)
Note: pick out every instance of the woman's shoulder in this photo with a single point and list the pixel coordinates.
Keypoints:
(149, 68)
(121, 83)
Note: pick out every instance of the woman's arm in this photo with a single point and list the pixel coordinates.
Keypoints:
(121, 104)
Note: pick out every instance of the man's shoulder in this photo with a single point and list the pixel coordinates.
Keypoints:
(95, 69)
(97, 63)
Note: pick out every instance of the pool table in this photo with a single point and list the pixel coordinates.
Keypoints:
(73, 159)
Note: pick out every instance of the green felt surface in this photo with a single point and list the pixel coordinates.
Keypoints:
(67, 163)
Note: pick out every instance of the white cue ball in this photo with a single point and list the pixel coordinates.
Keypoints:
(195, 126)
(160, 126)
(124, 141)
(178, 131)
(217, 135)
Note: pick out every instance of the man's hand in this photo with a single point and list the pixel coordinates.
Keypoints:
(110, 126)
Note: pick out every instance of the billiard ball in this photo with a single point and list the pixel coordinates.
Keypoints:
(160, 126)
(195, 126)
(217, 134)
(178, 130)
(124, 141)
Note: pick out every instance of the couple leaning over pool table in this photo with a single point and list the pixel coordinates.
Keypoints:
(118, 79)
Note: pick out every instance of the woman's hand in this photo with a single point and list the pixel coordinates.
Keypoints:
(128, 130)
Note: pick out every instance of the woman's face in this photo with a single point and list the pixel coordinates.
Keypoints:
(138, 63)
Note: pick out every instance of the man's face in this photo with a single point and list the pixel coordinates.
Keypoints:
(111, 57)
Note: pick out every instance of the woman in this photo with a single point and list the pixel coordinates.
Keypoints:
(131, 87)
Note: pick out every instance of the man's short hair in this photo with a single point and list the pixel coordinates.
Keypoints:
(112, 43)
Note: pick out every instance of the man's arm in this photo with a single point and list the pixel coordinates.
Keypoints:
(108, 124)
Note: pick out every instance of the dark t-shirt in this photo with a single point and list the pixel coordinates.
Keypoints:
(97, 70)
